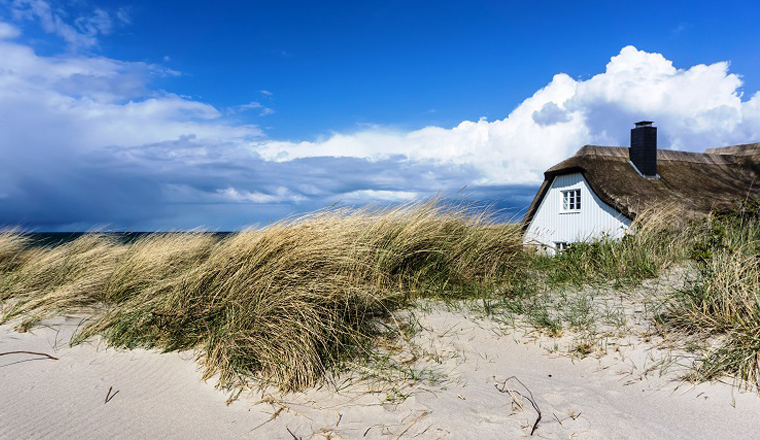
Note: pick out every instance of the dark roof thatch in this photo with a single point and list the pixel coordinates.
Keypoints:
(696, 182)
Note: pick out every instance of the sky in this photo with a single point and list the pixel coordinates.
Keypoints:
(144, 115)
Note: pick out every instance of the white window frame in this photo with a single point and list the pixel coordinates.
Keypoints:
(571, 200)
(560, 246)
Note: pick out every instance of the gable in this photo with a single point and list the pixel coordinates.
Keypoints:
(552, 223)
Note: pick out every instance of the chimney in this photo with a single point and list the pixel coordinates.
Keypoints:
(643, 151)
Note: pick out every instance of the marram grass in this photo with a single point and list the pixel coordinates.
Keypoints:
(288, 303)
(656, 242)
(721, 301)
(724, 300)
(282, 305)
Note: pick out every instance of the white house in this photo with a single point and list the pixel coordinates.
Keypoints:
(600, 190)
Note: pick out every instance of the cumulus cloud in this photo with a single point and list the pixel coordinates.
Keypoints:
(87, 140)
(695, 108)
(550, 114)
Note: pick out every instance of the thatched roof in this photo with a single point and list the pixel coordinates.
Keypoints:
(696, 182)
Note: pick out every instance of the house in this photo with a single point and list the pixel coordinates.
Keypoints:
(601, 190)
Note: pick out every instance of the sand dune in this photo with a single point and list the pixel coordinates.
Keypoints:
(155, 395)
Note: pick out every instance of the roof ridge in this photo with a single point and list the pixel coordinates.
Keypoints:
(599, 150)
(752, 149)
(709, 157)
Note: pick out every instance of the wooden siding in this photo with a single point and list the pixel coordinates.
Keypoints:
(595, 218)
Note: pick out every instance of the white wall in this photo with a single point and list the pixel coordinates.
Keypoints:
(550, 224)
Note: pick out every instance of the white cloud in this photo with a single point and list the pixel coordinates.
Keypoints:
(99, 22)
(280, 194)
(123, 14)
(379, 195)
(84, 31)
(54, 108)
(550, 114)
(8, 31)
(89, 140)
(695, 108)
(253, 105)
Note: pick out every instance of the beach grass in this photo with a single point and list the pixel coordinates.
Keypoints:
(281, 305)
(288, 303)
(658, 240)
(722, 304)
(716, 304)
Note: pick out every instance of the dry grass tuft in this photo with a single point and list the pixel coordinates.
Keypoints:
(725, 298)
(12, 245)
(65, 278)
(290, 302)
(283, 304)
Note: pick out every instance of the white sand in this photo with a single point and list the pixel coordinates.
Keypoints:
(162, 395)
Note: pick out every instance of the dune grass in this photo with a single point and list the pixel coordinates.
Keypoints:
(658, 240)
(724, 300)
(290, 302)
(279, 305)
(719, 304)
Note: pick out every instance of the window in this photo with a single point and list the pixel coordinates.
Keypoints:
(560, 245)
(571, 200)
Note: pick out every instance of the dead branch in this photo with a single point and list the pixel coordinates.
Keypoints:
(35, 353)
(505, 389)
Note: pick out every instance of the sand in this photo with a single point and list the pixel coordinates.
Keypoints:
(625, 394)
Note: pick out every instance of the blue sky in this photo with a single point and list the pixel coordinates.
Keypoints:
(171, 115)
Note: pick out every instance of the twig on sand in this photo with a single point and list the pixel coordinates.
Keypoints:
(424, 413)
(558, 420)
(291, 434)
(505, 389)
(274, 416)
(368, 429)
(35, 353)
(110, 396)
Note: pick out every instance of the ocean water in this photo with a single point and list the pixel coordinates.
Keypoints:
(58, 238)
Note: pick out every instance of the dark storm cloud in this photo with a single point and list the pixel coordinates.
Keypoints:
(185, 184)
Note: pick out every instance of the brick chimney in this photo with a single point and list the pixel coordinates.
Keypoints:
(643, 151)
